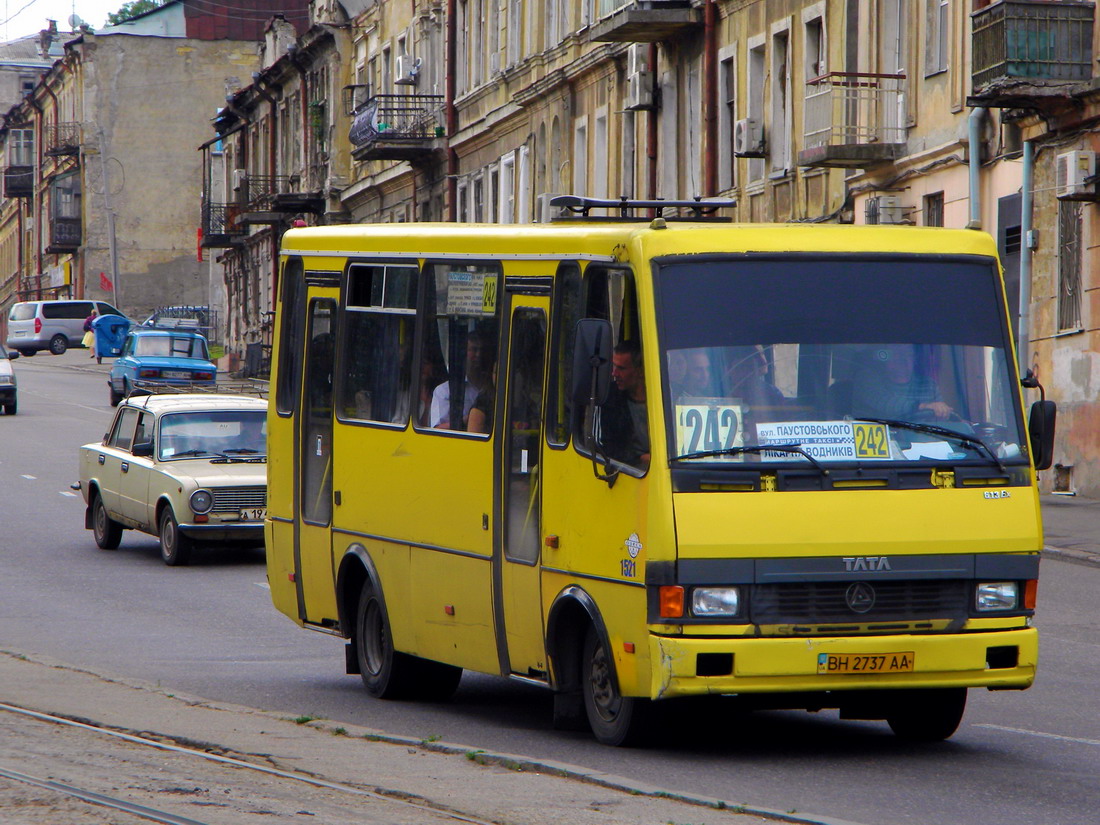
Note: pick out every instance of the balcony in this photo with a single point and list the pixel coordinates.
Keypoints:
(853, 120)
(277, 195)
(19, 182)
(1027, 50)
(64, 235)
(220, 227)
(397, 127)
(643, 21)
(62, 139)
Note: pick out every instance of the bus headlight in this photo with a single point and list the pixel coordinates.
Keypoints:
(997, 596)
(201, 501)
(715, 601)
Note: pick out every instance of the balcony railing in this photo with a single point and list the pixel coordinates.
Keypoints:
(19, 182)
(64, 235)
(643, 21)
(1032, 40)
(220, 226)
(853, 119)
(396, 127)
(265, 197)
(62, 139)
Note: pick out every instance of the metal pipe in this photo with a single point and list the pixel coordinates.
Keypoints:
(974, 164)
(1023, 334)
(710, 99)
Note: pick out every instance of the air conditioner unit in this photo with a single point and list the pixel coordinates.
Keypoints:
(748, 138)
(240, 179)
(544, 212)
(637, 58)
(639, 91)
(884, 209)
(1073, 173)
(406, 70)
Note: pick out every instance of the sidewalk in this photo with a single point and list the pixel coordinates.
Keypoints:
(1071, 527)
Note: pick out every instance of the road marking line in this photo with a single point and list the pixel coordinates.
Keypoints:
(67, 493)
(264, 585)
(1042, 735)
(30, 478)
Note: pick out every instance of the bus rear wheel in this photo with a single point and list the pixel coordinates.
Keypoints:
(927, 715)
(615, 719)
(386, 673)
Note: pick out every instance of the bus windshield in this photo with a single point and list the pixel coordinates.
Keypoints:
(856, 359)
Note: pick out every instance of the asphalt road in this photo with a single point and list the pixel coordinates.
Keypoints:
(209, 629)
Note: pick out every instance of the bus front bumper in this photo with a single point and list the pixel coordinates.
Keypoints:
(693, 666)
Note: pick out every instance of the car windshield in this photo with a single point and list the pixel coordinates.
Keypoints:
(235, 434)
(863, 360)
(171, 346)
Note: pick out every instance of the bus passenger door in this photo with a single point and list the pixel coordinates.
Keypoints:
(517, 555)
(313, 478)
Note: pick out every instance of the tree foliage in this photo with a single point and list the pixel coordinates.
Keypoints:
(133, 9)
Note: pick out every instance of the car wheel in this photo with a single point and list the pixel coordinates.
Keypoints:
(175, 548)
(614, 719)
(116, 397)
(386, 673)
(107, 531)
(9, 409)
(58, 345)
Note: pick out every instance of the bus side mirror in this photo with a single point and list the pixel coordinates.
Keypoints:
(1040, 429)
(591, 374)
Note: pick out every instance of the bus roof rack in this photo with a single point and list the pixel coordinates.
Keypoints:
(579, 207)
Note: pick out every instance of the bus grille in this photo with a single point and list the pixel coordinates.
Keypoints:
(817, 602)
(230, 499)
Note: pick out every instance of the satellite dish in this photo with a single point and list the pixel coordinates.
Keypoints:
(75, 21)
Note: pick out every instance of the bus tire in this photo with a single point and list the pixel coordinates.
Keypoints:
(930, 715)
(386, 673)
(107, 531)
(614, 719)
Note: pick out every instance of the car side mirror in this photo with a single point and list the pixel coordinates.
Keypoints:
(591, 373)
(143, 450)
(1040, 429)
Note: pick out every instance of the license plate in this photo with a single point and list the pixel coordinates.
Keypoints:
(176, 374)
(254, 514)
(830, 663)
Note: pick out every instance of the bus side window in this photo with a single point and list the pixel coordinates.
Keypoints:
(567, 311)
(289, 379)
(379, 314)
(460, 329)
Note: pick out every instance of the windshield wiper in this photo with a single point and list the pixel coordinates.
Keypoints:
(243, 450)
(195, 451)
(793, 447)
(935, 429)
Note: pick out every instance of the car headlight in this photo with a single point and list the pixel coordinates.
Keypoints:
(715, 601)
(201, 501)
(6, 379)
(997, 596)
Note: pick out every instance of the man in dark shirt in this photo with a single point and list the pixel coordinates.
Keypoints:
(623, 419)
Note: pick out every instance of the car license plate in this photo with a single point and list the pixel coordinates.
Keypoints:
(831, 663)
(254, 514)
(176, 374)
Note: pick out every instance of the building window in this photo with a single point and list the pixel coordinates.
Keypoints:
(781, 103)
(936, 45)
(933, 209)
(727, 117)
(756, 78)
(580, 156)
(1069, 265)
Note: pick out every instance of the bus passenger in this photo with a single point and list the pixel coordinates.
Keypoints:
(892, 385)
(623, 419)
(480, 360)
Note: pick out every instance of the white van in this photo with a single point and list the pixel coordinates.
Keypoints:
(52, 325)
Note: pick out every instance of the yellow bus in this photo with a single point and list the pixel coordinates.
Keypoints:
(632, 458)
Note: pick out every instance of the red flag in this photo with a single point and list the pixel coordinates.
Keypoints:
(105, 282)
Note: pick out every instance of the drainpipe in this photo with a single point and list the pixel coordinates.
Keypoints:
(450, 68)
(710, 99)
(974, 162)
(1023, 335)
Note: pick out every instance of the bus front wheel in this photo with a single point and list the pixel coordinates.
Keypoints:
(615, 719)
(927, 715)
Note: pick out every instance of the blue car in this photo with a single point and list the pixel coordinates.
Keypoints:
(152, 358)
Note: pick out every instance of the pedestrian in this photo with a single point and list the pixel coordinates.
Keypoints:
(89, 333)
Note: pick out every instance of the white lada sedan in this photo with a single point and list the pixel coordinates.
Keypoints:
(186, 468)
